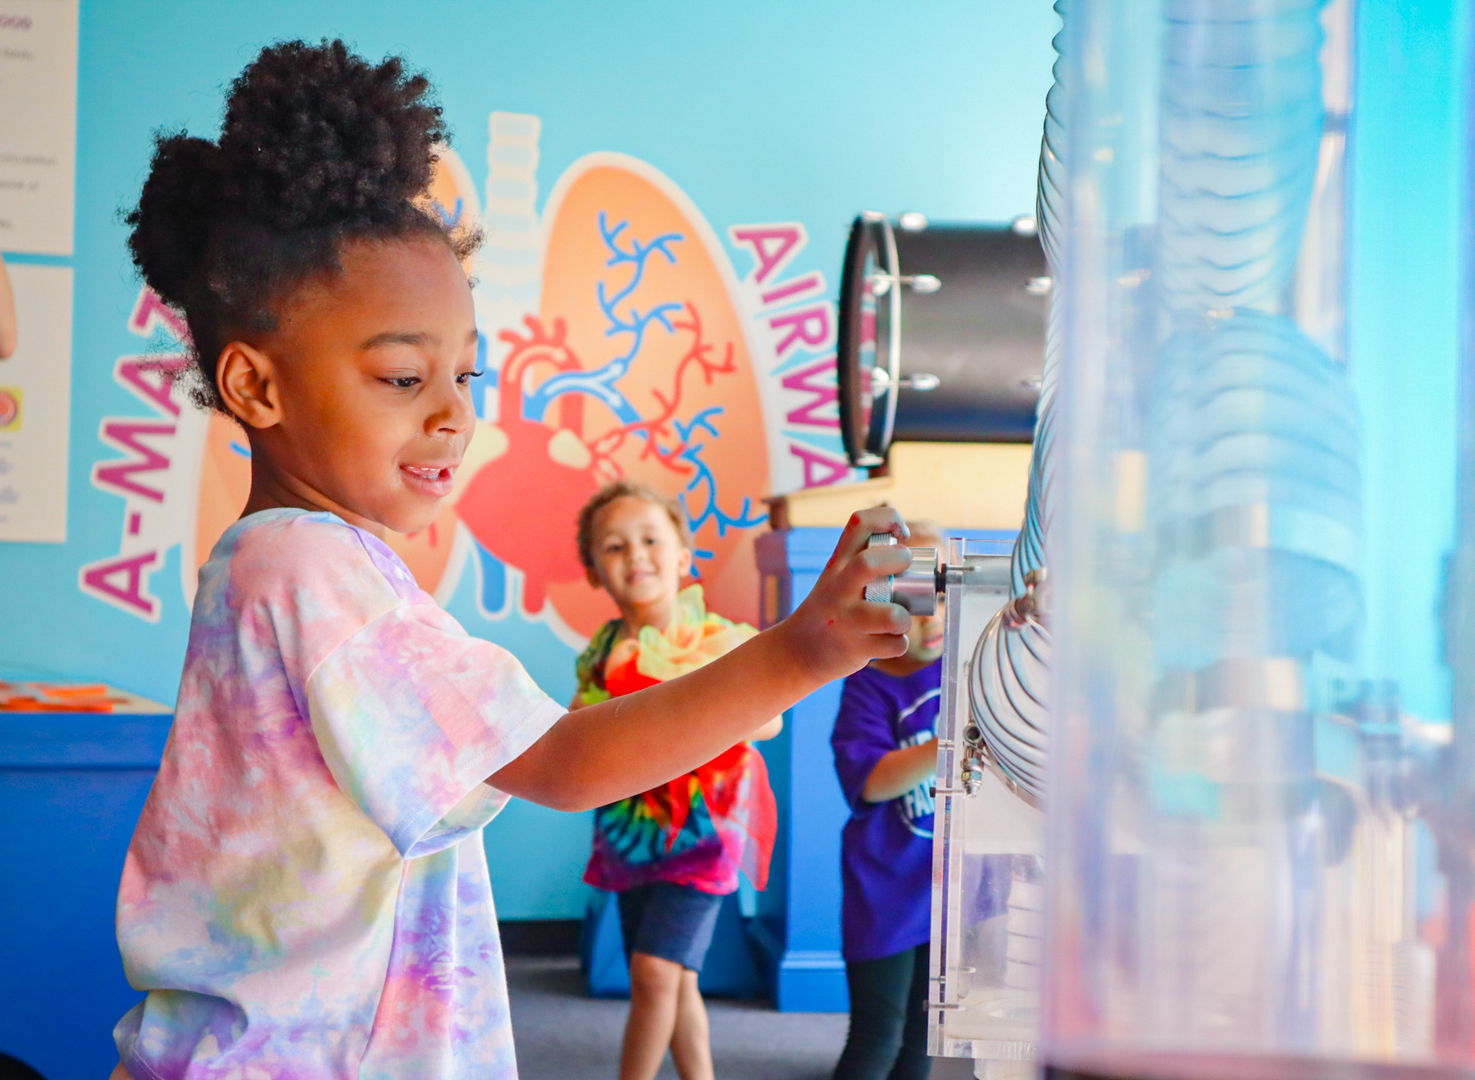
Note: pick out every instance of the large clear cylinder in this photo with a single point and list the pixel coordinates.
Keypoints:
(1258, 857)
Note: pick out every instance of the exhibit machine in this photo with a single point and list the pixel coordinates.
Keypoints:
(1181, 832)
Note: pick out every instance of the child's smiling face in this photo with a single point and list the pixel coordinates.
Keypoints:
(360, 401)
(924, 639)
(639, 558)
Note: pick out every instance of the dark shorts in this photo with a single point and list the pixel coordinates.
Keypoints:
(674, 922)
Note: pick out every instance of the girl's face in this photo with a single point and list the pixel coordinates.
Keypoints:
(639, 558)
(360, 401)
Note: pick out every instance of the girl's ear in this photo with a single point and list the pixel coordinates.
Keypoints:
(592, 576)
(683, 562)
(248, 386)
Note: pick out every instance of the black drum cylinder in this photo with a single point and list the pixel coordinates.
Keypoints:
(947, 320)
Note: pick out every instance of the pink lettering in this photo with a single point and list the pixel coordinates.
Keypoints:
(153, 378)
(808, 283)
(825, 394)
(810, 325)
(98, 579)
(773, 246)
(819, 469)
(149, 311)
(118, 475)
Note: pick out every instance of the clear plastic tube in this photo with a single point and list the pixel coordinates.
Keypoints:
(1236, 820)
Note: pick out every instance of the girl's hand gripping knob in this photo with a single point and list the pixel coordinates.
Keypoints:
(916, 589)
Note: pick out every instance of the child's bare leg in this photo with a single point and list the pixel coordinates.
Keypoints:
(691, 1044)
(655, 987)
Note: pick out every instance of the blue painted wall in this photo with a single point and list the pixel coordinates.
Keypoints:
(762, 111)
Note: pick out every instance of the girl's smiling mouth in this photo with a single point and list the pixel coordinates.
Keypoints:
(432, 480)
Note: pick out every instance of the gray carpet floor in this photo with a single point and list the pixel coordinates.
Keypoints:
(562, 1034)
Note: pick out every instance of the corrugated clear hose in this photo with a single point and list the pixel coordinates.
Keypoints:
(1252, 459)
(1009, 678)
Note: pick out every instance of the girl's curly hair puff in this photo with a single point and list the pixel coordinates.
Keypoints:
(319, 147)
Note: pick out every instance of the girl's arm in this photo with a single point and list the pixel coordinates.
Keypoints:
(900, 771)
(605, 752)
(8, 335)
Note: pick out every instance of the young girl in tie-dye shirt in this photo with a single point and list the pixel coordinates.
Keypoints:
(672, 853)
(306, 895)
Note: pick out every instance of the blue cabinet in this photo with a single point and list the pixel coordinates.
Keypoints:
(797, 928)
(71, 788)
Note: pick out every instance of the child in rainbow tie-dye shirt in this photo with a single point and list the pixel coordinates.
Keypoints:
(306, 895)
(671, 853)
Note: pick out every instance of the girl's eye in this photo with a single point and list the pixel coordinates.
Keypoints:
(403, 382)
(464, 379)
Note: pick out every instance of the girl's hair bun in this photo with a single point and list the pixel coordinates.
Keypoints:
(176, 210)
(319, 147)
(315, 135)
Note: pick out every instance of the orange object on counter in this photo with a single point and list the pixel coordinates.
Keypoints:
(56, 697)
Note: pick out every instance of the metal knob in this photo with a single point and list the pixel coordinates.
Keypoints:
(916, 588)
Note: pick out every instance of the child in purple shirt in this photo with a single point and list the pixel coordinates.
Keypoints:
(885, 747)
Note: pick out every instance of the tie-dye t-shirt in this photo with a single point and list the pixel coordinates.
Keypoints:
(306, 895)
(702, 828)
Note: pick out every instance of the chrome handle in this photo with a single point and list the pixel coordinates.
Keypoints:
(919, 381)
(880, 283)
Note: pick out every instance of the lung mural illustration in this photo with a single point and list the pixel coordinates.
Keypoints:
(616, 341)
(636, 365)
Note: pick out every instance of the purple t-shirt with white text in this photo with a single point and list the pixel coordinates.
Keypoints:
(886, 848)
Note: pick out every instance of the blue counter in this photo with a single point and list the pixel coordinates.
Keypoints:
(71, 788)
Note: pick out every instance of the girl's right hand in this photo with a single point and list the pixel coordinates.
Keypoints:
(836, 630)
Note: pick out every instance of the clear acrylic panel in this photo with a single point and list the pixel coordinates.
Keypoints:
(988, 892)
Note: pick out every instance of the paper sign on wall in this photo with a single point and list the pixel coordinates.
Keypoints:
(38, 125)
(35, 405)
